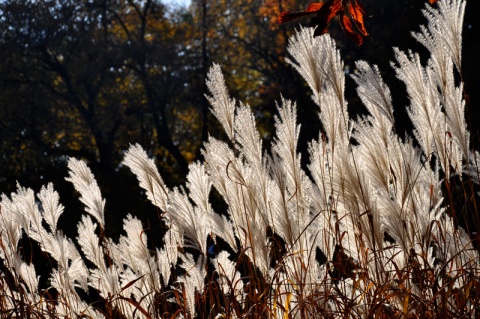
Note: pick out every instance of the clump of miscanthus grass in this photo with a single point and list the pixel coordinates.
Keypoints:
(368, 230)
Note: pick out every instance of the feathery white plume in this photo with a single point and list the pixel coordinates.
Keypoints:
(84, 182)
(52, 209)
(194, 279)
(223, 107)
(29, 276)
(247, 136)
(308, 56)
(228, 275)
(147, 174)
(375, 95)
(89, 242)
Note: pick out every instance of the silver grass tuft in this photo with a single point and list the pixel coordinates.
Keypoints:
(223, 107)
(147, 174)
(84, 182)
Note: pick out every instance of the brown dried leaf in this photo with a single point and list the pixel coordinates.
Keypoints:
(357, 12)
(347, 27)
(350, 12)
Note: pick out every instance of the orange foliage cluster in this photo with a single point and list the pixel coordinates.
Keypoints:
(271, 9)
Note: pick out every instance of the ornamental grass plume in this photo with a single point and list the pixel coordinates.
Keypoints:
(366, 231)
